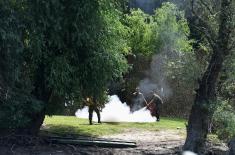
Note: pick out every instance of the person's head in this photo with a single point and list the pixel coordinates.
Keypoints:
(154, 92)
(137, 89)
(88, 99)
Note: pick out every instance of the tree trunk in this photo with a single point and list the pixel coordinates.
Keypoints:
(43, 94)
(201, 114)
(232, 147)
(33, 126)
(36, 123)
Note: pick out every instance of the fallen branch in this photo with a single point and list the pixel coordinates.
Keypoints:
(93, 142)
(86, 138)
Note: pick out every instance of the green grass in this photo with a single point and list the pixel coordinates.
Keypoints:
(68, 125)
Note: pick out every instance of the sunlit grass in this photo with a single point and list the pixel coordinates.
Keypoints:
(69, 125)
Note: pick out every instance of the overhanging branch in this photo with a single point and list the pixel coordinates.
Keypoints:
(206, 29)
(203, 3)
(206, 34)
(232, 46)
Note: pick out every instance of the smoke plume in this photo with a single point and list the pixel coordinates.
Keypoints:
(116, 111)
(156, 79)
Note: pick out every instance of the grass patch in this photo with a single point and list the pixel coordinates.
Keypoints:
(69, 125)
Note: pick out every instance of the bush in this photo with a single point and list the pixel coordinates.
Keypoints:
(224, 121)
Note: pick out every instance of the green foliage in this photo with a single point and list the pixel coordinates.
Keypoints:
(16, 103)
(57, 49)
(164, 34)
(224, 121)
(224, 117)
(11, 47)
(80, 48)
(167, 29)
(171, 29)
(141, 32)
(228, 89)
(227, 79)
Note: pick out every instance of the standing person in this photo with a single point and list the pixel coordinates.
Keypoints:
(139, 97)
(155, 106)
(92, 106)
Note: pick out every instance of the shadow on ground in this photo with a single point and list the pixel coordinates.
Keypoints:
(66, 130)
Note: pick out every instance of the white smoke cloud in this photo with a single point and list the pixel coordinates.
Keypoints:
(116, 111)
(156, 80)
(188, 153)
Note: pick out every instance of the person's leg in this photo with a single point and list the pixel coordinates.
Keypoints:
(90, 115)
(158, 113)
(98, 114)
(157, 117)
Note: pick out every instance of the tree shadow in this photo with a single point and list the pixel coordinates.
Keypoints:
(66, 131)
(112, 123)
(86, 124)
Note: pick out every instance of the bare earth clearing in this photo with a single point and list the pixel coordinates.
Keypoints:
(148, 142)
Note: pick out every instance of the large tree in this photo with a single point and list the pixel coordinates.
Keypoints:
(15, 87)
(61, 51)
(216, 23)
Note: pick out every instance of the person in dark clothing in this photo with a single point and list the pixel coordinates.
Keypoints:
(92, 106)
(155, 106)
(139, 97)
(153, 102)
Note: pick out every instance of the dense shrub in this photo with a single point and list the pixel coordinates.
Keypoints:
(224, 121)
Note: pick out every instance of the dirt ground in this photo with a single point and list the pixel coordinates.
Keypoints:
(148, 143)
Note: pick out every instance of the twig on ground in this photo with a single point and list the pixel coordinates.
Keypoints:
(12, 147)
(72, 146)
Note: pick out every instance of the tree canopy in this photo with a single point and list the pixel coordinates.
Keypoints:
(65, 49)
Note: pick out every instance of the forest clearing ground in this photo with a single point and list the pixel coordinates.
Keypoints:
(153, 142)
(66, 125)
(164, 137)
